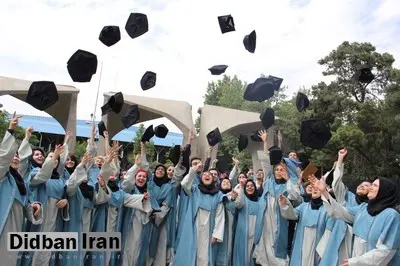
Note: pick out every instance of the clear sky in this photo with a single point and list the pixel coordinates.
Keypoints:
(184, 40)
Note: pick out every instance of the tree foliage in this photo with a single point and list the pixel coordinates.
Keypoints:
(80, 148)
(150, 149)
(362, 117)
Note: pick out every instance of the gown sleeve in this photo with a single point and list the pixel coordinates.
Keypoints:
(7, 151)
(218, 231)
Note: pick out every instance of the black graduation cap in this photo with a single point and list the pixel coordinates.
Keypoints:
(222, 164)
(175, 154)
(303, 158)
(148, 134)
(302, 102)
(218, 69)
(262, 89)
(364, 74)
(255, 137)
(136, 25)
(275, 155)
(268, 118)
(243, 142)
(110, 35)
(214, 137)
(131, 116)
(226, 23)
(161, 131)
(329, 178)
(249, 41)
(82, 65)
(114, 104)
(148, 80)
(314, 134)
(102, 127)
(42, 94)
(277, 82)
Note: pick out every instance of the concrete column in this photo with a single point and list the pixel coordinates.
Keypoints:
(71, 123)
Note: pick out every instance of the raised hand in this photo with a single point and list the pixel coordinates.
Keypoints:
(191, 134)
(105, 133)
(68, 136)
(263, 135)
(14, 121)
(102, 182)
(58, 151)
(28, 132)
(235, 161)
(138, 159)
(86, 158)
(342, 153)
(318, 184)
(199, 167)
(234, 194)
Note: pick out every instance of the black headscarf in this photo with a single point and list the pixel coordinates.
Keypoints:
(73, 158)
(19, 181)
(225, 191)
(113, 185)
(386, 197)
(254, 196)
(32, 161)
(159, 181)
(210, 189)
(316, 203)
(87, 190)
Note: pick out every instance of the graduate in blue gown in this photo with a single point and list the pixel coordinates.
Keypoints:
(249, 224)
(310, 228)
(82, 198)
(376, 224)
(47, 186)
(271, 249)
(14, 203)
(204, 222)
(224, 250)
(342, 193)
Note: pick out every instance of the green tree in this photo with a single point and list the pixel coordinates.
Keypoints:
(19, 131)
(150, 149)
(361, 116)
(80, 148)
(228, 92)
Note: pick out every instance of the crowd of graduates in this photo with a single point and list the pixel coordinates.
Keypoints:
(189, 213)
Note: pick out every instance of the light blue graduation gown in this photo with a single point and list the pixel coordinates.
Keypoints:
(186, 252)
(307, 218)
(151, 233)
(385, 227)
(240, 248)
(338, 230)
(221, 252)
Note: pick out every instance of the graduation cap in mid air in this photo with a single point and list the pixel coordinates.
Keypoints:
(255, 137)
(82, 65)
(131, 116)
(249, 41)
(222, 164)
(275, 155)
(268, 118)
(261, 90)
(276, 82)
(115, 104)
(175, 154)
(243, 142)
(218, 69)
(102, 127)
(110, 35)
(137, 25)
(226, 23)
(302, 102)
(161, 131)
(42, 94)
(148, 80)
(148, 134)
(364, 74)
(214, 137)
(314, 134)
